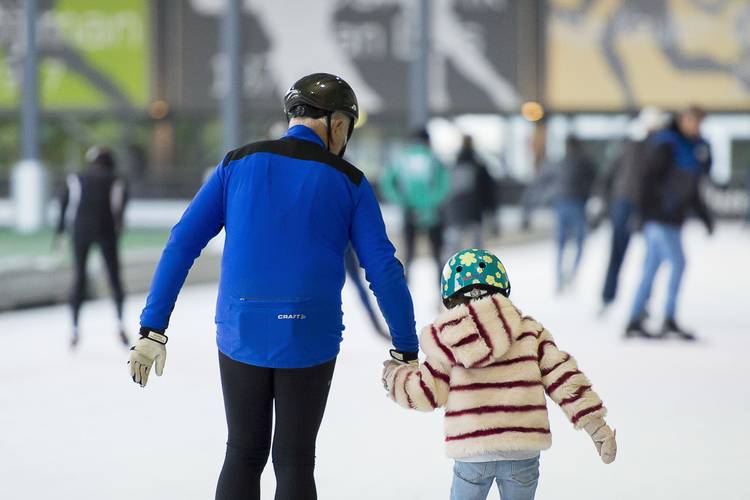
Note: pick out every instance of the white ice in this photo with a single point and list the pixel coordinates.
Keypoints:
(74, 426)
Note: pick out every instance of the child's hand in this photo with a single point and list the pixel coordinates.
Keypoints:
(604, 439)
(387, 378)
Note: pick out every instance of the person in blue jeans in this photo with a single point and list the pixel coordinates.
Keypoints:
(573, 179)
(679, 158)
(492, 368)
(571, 224)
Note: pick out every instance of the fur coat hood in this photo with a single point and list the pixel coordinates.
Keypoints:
(476, 334)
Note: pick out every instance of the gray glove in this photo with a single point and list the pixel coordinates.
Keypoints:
(604, 439)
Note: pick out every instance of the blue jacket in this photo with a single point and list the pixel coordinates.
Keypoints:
(675, 166)
(289, 209)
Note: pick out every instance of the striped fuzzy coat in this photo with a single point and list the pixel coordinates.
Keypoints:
(491, 367)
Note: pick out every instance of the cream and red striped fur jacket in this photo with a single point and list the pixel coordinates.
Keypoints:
(490, 367)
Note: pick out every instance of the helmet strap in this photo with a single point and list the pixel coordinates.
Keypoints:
(328, 131)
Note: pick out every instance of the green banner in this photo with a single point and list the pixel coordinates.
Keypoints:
(94, 54)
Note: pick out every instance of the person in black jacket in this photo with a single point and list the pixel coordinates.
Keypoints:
(678, 159)
(92, 204)
(472, 197)
(622, 186)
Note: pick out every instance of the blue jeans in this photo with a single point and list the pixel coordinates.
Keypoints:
(663, 243)
(571, 222)
(620, 215)
(516, 479)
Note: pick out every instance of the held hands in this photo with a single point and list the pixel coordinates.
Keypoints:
(149, 349)
(387, 378)
(398, 358)
(604, 439)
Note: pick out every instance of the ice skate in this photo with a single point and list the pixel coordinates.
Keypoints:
(672, 329)
(635, 329)
(604, 310)
(124, 338)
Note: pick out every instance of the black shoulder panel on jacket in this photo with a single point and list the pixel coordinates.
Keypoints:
(299, 150)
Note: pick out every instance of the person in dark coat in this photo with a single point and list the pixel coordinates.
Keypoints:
(472, 198)
(622, 186)
(92, 205)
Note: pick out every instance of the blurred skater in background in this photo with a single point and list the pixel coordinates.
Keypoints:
(622, 187)
(572, 180)
(678, 160)
(419, 183)
(92, 205)
(472, 197)
(531, 197)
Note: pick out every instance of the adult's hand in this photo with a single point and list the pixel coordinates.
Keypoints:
(149, 349)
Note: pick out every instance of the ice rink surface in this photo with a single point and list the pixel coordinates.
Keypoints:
(74, 426)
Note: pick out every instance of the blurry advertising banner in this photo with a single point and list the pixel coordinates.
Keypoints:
(474, 64)
(627, 53)
(94, 53)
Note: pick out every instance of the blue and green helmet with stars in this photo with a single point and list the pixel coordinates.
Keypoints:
(470, 267)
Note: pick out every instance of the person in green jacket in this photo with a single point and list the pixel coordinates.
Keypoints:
(419, 183)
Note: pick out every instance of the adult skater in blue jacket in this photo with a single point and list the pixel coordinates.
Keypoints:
(289, 209)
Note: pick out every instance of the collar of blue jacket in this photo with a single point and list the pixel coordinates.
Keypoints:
(305, 133)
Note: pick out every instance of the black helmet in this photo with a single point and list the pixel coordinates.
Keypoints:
(100, 155)
(322, 91)
(322, 94)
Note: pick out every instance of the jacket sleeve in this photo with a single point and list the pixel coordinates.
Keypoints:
(120, 194)
(442, 184)
(566, 384)
(423, 388)
(701, 208)
(605, 180)
(383, 271)
(389, 186)
(202, 220)
(658, 160)
(64, 200)
(487, 188)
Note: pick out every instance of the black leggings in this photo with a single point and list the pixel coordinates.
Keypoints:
(299, 396)
(108, 246)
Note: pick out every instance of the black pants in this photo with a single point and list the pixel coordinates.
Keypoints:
(435, 235)
(299, 396)
(82, 244)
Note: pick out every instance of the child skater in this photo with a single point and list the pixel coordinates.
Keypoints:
(490, 366)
